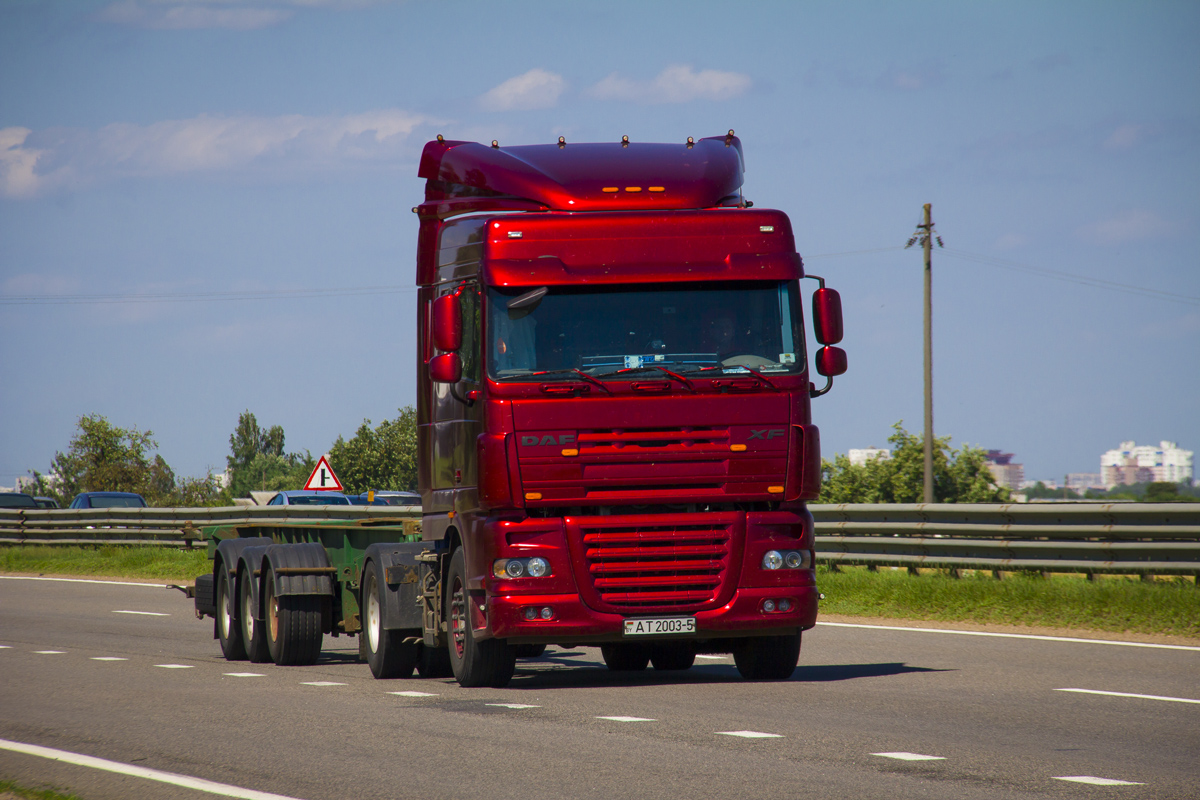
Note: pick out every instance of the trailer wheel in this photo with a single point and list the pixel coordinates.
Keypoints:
(767, 658)
(673, 656)
(293, 624)
(387, 654)
(433, 662)
(475, 663)
(625, 657)
(253, 638)
(228, 629)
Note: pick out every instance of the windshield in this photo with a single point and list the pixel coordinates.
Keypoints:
(723, 327)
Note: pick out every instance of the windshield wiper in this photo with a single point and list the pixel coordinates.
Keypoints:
(663, 370)
(578, 372)
(760, 376)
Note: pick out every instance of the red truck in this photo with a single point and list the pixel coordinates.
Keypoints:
(615, 438)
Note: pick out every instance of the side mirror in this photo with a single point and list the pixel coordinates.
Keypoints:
(447, 324)
(446, 368)
(827, 319)
(831, 361)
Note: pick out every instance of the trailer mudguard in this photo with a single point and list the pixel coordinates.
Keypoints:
(300, 569)
(400, 571)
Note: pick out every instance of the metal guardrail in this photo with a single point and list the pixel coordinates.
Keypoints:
(1129, 538)
(182, 527)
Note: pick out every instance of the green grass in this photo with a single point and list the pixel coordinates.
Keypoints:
(1110, 603)
(110, 561)
(14, 789)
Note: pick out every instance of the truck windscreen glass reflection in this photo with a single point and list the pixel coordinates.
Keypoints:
(727, 327)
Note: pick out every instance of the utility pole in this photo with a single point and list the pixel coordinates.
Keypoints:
(925, 235)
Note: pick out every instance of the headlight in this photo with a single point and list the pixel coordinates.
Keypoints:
(514, 568)
(772, 559)
(787, 559)
(793, 559)
(536, 567)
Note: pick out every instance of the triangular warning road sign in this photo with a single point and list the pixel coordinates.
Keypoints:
(323, 479)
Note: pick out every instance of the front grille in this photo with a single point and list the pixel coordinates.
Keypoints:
(645, 566)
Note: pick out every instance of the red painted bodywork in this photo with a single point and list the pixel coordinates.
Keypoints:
(648, 497)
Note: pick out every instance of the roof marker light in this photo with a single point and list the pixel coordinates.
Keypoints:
(515, 234)
(691, 143)
(495, 144)
(441, 139)
(562, 141)
(624, 141)
(729, 138)
(766, 228)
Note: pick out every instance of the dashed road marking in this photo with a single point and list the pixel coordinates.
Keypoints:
(629, 719)
(751, 734)
(244, 674)
(321, 683)
(143, 613)
(411, 693)
(1127, 694)
(1094, 781)
(49, 652)
(1010, 635)
(199, 784)
(514, 706)
(108, 658)
(5, 646)
(175, 666)
(910, 756)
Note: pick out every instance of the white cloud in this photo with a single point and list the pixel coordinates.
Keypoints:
(1125, 137)
(911, 79)
(534, 89)
(1128, 226)
(678, 83)
(35, 162)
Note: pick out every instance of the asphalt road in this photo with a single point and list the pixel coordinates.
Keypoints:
(81, 673)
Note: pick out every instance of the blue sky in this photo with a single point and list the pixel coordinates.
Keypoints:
(233, 179)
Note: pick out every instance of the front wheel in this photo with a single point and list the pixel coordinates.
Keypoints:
(228, 630)
(673, 656)
(386, 652)
(489, 662)
(767, 658)
(625, 657)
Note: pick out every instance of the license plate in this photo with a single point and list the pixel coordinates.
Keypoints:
(660, 626)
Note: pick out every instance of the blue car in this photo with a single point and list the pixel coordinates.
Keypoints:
(304, 497)
(108, 500)
(386, 498)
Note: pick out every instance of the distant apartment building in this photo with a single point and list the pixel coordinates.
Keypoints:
(1004, 472)
(1130, 464)
(1082, 481)
(860, 456)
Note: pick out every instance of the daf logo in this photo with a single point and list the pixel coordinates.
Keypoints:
(766, 434)
(533, 441)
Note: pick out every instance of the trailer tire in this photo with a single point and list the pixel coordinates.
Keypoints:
(490, 662)
(228, 629)
(433, 662)
(293, 626)
(767, 658)
(625, 657)
(387, 653)
(254, 639)
(673, 656)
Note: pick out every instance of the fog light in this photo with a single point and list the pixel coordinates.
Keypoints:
(531, 613)
(538, 567)
(768, 606)
(547, 612)
(785, 605)
(793, 559)
(514, 568)
(772, 560)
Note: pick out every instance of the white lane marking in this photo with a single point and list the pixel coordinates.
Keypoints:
(49, 652)
(244, 674)
(629, 719)
(714, 658)
(199, 784)
(516, 706)
(144, 613)
(1127, 694)
(82, 580)
(108, 658)
(1098, 781)
(750, 734)
(414, 694)
(175, 666)
(321, 683)
(5, 647)
(1012, 636)
(910, 756)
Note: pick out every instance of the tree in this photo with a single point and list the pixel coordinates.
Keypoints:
(379, 458)
(257, 462)
(959, 476)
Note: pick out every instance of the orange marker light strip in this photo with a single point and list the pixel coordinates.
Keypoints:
(611, 189)
(633, 188)
(538, 495)
(771, 489)
(570, 451)
(737, 448)
(658, 188)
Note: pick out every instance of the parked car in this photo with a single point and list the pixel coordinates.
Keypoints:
(17, 500)
(303, 497)
(386, 498)
(108, 500)
(46, 502)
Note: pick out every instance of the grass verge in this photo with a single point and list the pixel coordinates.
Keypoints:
(109, 561)
(12, 789)
(1110, 603)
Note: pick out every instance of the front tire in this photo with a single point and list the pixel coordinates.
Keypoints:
(228, 629)
(387, 654)
(767, 658)
(673, 656)
(253, 637)
(490, 662)
(625, 657)
(293, 626)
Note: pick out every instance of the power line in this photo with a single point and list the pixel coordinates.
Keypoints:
(194, 297)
